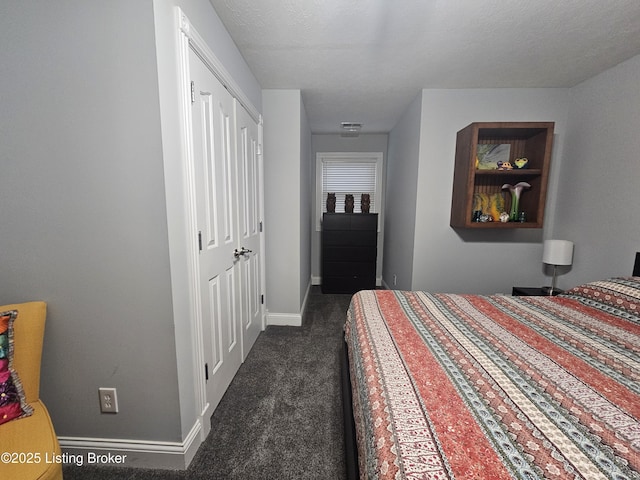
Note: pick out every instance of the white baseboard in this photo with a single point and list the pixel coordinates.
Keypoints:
(290, 319)
(284, 319)
(82, 451)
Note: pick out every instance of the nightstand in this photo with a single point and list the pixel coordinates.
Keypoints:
(533, 291)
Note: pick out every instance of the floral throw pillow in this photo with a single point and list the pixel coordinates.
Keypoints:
(12, 400)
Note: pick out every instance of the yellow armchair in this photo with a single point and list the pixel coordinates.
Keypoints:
(30, 438)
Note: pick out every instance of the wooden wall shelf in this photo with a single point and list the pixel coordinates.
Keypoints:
(532, 140)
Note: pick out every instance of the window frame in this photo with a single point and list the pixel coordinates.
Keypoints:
(348, 157)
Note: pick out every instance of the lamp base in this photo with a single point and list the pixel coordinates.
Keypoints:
(551, 291)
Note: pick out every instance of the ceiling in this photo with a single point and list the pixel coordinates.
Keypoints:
(366, 60)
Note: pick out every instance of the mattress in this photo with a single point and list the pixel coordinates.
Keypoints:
(492, 387)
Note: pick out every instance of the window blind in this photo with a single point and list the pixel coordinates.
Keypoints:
(344, 178)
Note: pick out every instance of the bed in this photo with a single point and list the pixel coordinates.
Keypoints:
(440, 386)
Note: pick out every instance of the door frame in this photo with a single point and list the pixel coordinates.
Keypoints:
(189, 38)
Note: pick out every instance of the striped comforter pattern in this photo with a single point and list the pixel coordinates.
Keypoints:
(492, 387)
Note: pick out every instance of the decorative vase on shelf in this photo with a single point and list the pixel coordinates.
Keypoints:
(348, 203)
(515, 191)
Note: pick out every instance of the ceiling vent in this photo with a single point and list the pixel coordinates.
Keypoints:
(350, 129)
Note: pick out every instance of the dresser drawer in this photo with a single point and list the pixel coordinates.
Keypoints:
(338, 253)
(349, 269)
(347, 284)
(350, 238)
(350, 221)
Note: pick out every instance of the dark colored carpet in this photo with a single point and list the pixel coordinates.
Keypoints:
(281, 417)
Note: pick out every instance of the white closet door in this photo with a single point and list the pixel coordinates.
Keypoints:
(217, 214)
(249, 201)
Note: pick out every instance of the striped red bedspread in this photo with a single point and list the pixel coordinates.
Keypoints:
(497, 387)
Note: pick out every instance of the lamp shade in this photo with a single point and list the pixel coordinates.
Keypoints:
(557, 252)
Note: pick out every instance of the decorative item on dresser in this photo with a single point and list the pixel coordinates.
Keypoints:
(349, 252)
(331, 202)
(365, 203)
(349, 203)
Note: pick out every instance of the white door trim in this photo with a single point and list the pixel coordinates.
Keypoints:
(215, 65)
(187, 161)
(188, 38)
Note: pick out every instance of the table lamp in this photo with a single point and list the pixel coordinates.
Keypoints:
(555, 253)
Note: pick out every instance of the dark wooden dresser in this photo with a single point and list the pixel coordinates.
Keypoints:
(349, 252)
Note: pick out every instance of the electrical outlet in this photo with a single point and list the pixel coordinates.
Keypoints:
(108, 400)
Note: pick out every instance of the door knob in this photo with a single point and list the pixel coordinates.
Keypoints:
(242, 251)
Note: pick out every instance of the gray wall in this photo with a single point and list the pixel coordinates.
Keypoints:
(338, 143)
(477, 261)
(462, 261)
(286, 206)
(401, 193)
(591, 197)
(83, 210)
(306, 220)
(598, 194)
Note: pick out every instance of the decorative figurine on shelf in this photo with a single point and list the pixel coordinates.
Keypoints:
(331, 202)
(348, 203)
(365, 203)
(504, 166)
(504, 217)
(521, 162)
(515, 190)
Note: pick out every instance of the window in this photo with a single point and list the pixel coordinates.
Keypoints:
(348, 173)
